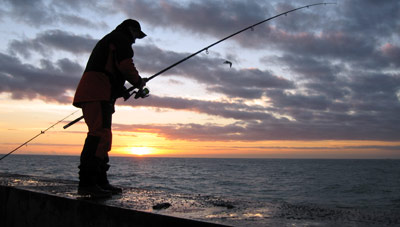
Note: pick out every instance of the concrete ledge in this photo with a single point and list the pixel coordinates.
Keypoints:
(20, 207)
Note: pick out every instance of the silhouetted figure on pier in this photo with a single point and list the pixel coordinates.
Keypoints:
(109, 66)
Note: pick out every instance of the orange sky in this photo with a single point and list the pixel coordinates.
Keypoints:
(25, 119)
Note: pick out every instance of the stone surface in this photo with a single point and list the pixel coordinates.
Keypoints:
(34, 201)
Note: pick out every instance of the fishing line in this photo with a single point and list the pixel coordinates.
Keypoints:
(41, 132)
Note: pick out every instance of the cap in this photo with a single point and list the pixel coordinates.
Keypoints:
(133, 24)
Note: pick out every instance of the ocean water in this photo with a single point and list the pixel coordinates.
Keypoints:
(308, 192)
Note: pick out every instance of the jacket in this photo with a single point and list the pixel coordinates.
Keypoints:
(109, 66)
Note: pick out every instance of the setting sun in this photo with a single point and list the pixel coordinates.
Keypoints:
(141, 150)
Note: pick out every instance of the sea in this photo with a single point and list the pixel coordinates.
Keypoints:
(301, 192)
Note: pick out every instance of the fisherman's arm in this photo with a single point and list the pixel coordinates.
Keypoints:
(130, 73)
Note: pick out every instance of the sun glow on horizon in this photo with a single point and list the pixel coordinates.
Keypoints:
(140, 151)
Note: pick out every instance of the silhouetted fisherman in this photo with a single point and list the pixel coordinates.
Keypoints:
(109, 66)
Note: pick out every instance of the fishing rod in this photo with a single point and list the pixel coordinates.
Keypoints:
(142, 93)
(229, 36)
(219, 41)
(40, 133)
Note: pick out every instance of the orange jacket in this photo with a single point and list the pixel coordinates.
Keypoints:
(109, 66)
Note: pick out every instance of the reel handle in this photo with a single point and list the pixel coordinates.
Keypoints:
(144, 92)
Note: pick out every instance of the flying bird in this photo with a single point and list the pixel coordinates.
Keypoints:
(229, 63)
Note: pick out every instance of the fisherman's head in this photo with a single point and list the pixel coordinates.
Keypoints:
(132, 28)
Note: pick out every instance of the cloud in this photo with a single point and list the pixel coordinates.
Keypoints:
(244, 83)
(391, 54)
(219, 19)
(209, 71)
(48, 82)
(205, 17)
(255, 131)
(30, 12)
(51, 41)
(378, 20)
(236, 110)
(336, 32)
(82, 22)
(311, 118)
(40, 13)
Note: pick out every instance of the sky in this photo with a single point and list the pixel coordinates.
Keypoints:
(320, 82)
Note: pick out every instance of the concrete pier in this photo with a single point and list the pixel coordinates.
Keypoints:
(31, 201)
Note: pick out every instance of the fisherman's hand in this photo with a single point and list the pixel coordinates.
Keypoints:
(141, 83)
(143, 91)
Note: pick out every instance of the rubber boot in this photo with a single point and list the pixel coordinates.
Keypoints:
(94, 191)
(90, 170)
(103, 182)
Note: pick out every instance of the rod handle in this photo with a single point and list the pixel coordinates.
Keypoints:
(72, 122)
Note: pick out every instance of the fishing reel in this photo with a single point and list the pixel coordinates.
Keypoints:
(142, 92)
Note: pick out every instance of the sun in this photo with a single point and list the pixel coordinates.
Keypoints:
(141, 150)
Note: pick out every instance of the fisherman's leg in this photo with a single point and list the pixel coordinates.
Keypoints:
(104, 147)
(90, 166)
(103, 182)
